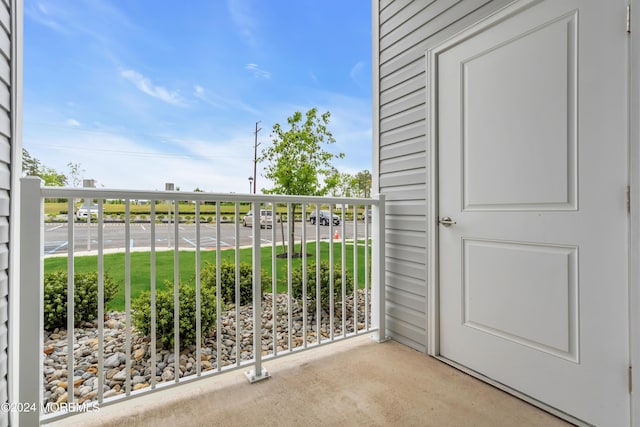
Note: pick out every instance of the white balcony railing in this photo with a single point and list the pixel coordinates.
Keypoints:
(278, 323)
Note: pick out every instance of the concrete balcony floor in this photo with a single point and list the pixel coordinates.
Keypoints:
(353, 382)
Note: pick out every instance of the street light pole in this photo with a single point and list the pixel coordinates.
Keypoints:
(255, 157)
(250, 182)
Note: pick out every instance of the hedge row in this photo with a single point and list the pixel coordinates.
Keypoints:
(86, 301)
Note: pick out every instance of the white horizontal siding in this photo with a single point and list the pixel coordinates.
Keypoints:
(5, 176)
(4, 283)
(406, 333)
(405, 134)
(404, 88)
(402, 148)
(402, 282)
(393, 179)
(396, 76)
(408, 299)
(6, 144)
(400, 163)
(414, 114)
(415, 16)
(410, 238)
(407, 28)
(413, 44)
(405, 192)
(400, 105)
(406, 223)
(406, 207)
(412, 317)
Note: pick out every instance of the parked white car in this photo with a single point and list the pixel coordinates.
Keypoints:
(83, 212)
(266, 219)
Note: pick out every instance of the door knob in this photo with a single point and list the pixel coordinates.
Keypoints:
(446, 221)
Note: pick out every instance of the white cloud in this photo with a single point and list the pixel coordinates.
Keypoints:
(72, 122)
(257, 71)
(145, 85)
(42, 14)
(198, 91)
(242, 17)
(359, 74)
(188, 163)
(221, 102)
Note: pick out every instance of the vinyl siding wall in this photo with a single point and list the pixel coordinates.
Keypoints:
(405, 30)
(6, 144)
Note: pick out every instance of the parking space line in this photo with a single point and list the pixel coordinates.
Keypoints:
(54, 250)
(205, 240)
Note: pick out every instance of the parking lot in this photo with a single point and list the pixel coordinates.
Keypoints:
(86, 235)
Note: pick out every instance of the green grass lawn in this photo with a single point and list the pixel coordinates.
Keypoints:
(114, 265)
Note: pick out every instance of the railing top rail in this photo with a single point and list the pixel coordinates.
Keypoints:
(98, 193)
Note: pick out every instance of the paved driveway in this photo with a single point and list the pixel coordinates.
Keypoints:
(86, 236)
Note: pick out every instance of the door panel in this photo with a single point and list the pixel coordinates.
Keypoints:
(506, 283)
(536, 162)
(531, 119)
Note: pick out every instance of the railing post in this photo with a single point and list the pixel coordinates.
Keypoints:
(258, 373)
(31, 295)
(378, 290)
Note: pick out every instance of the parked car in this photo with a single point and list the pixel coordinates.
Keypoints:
(266, 219)
(367, 216)
(83, 212)
(324, 218)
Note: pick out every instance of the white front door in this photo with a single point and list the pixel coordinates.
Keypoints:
(530, 119)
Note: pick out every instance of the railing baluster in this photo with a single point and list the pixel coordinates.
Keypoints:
(100, 319)
(355, 269)
(291, 247)
(318, 277)
(303, 251)
(258, 373)
(274, 281)
(152, 286)
(198, 291)
(70, 302)
(343, 245)
(218, 293)
(367, 267)
(237, 257)
(176, 294)
(127, 293)
(331, 270)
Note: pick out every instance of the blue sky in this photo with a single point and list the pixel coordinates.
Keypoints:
(150, 91)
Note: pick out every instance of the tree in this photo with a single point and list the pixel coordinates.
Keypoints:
(297, 162)
(33, 167)
(75, 169)
(363, 184)
(30, 165)
(345, 185)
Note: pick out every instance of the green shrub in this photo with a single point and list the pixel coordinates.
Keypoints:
(141, 313)
(228, 281)
(85, 298)
(325, 294)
